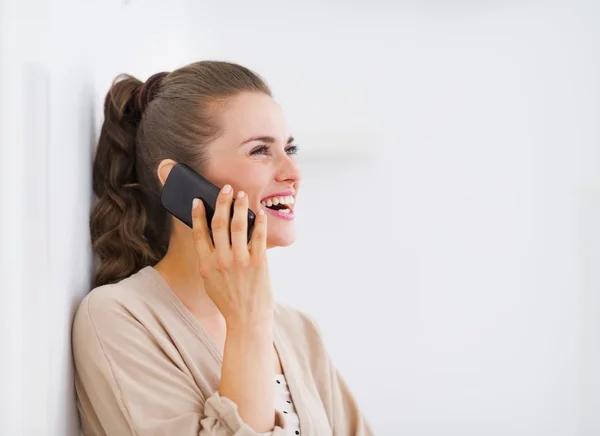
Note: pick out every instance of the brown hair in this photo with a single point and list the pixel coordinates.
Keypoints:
(170, 116)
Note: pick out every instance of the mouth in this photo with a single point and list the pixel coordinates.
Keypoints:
(281, 204)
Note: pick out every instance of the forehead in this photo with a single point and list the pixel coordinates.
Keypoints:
(252, 114)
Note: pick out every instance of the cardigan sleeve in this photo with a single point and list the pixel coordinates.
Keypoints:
(127, 385)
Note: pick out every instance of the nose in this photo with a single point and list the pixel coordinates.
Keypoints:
(288, 170)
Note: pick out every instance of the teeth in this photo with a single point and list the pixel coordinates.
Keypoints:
(284, 211)
(274, 201)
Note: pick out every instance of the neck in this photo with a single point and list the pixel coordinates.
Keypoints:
(179, 269)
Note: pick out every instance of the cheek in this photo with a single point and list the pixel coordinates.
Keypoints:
(254, 183)
(251, 178)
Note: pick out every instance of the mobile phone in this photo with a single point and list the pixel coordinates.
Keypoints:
(183, 184)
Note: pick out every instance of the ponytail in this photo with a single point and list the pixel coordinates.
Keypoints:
(119, 218)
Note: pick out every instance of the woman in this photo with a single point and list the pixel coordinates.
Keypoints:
(181, 336)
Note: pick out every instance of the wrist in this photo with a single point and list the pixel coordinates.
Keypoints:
(255, 340)
(249, 326)
(258, 321)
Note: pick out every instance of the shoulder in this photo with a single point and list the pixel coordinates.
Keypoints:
(299, 325)
(108, 309)
(289, 315)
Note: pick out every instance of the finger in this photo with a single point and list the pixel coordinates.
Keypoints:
(239, 227)
(201, 237)
(221, 218)
(258, 243)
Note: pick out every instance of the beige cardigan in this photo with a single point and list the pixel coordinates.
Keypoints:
(144, 366)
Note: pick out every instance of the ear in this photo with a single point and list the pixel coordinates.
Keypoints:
(164, 168)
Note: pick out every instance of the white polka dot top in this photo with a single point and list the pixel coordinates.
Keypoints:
(283, 403)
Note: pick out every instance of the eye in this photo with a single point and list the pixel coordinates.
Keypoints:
(292, 149)
(263, 149)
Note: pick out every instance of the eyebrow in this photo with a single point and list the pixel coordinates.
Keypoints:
(267, 139)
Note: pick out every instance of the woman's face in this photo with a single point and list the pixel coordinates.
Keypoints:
(255, 154)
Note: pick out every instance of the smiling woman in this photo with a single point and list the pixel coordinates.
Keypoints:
(181, 334)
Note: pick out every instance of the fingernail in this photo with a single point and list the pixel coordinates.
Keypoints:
(226, 189)
(195, 203)
(261, 212)
(240, 194)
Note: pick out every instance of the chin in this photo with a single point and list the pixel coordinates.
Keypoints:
(280, 239)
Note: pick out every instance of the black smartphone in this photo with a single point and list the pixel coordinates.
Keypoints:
(183, 184)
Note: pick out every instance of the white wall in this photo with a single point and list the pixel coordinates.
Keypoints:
(46, 138)
(459, 265)
(447, 218)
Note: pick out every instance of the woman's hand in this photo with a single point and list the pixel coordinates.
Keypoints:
(235, 273)
(236, 278)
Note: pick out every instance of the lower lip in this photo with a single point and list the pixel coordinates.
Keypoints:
(286, 216)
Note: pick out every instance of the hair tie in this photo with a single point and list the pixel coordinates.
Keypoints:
(148, 90)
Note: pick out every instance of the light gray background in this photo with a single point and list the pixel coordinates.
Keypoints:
(448, 222)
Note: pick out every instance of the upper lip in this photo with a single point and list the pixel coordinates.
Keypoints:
(281, 194)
